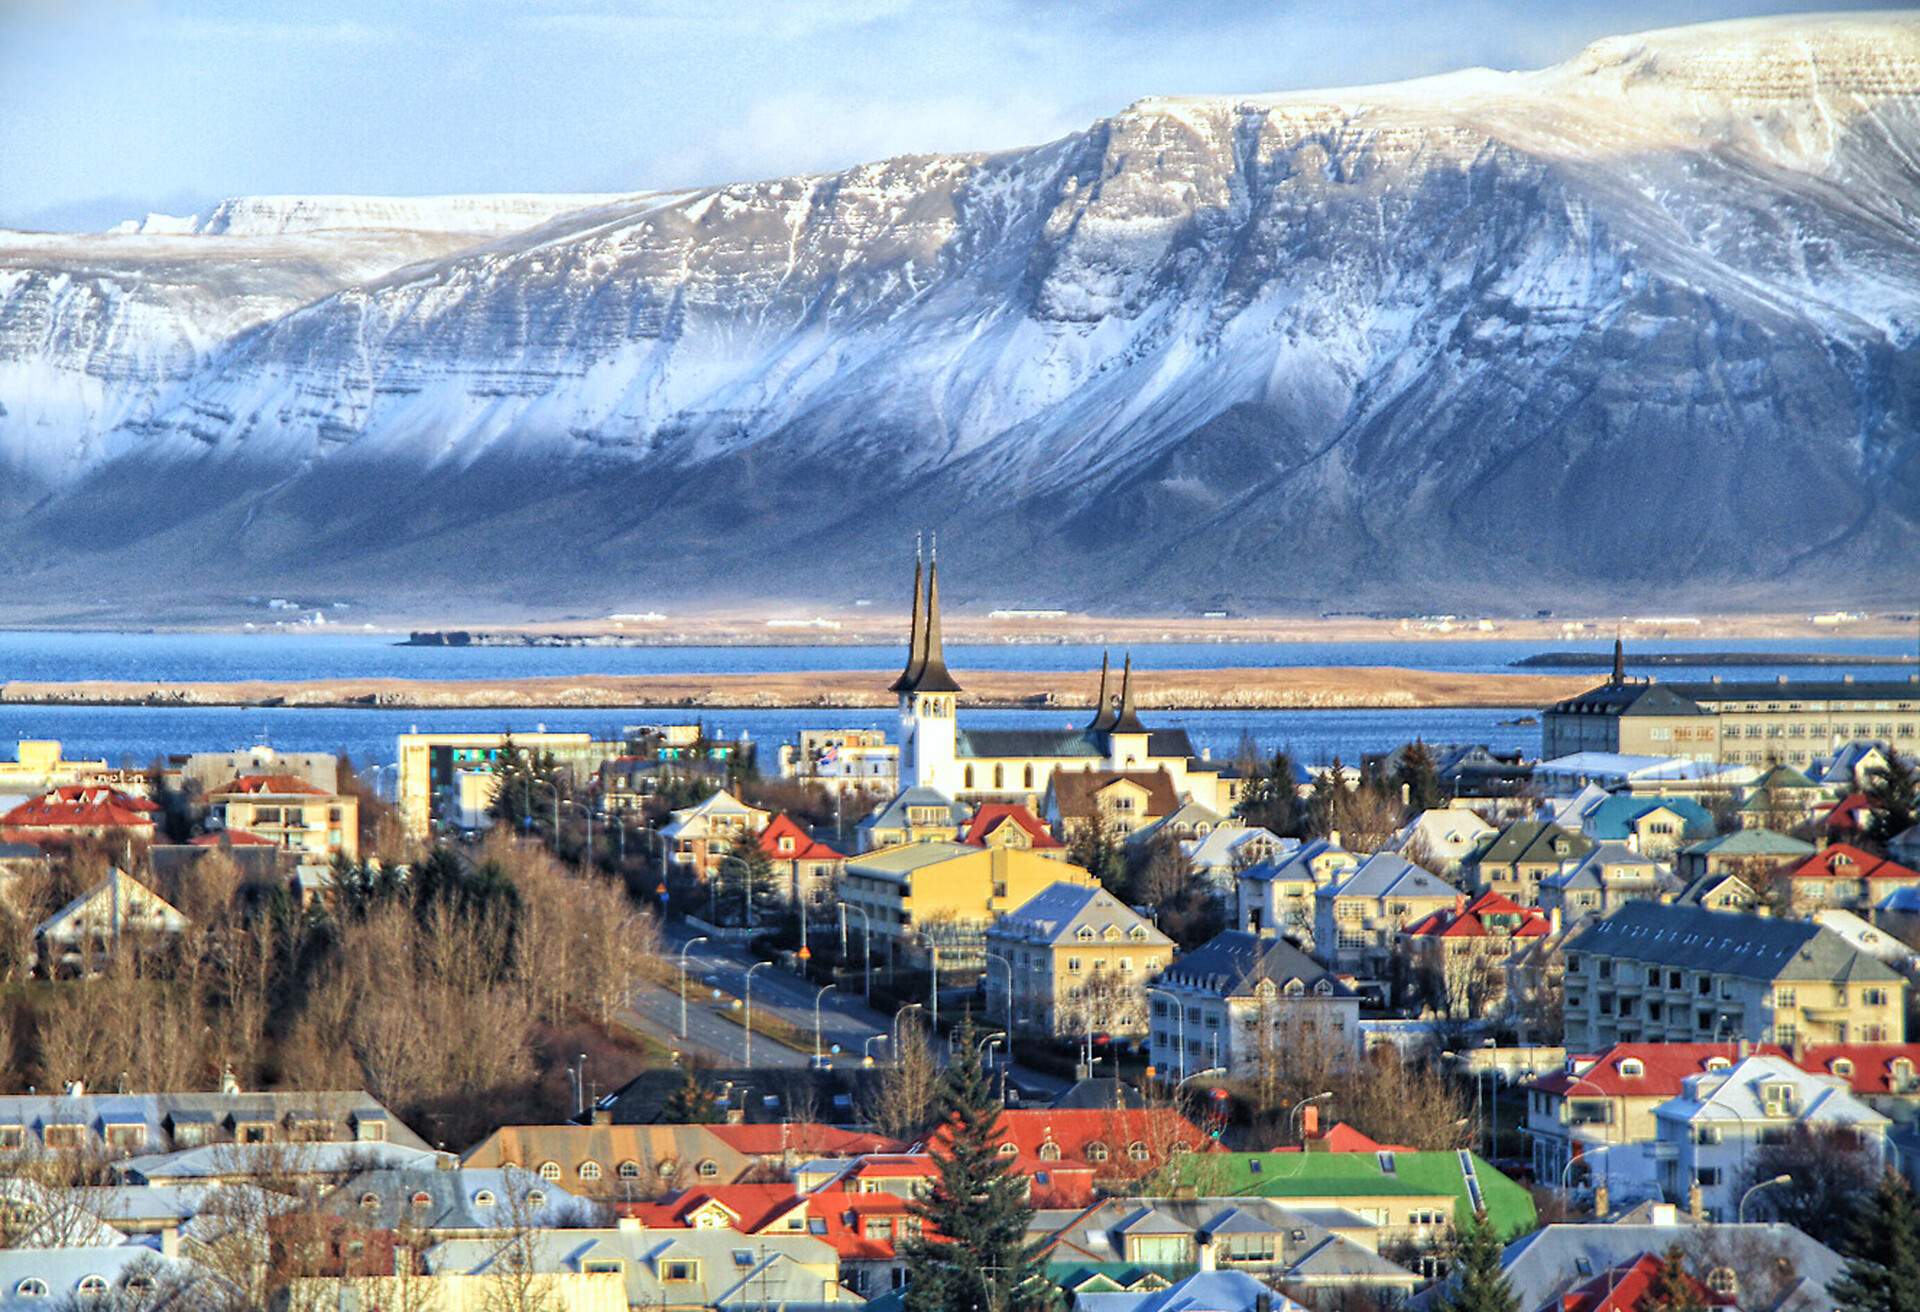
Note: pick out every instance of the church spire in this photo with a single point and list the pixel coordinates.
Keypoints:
(928, 671)
(914, 643)
(1619, 661)
(1128, 720)
(1103, 705)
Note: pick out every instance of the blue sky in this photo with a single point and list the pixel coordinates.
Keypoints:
(109, 108)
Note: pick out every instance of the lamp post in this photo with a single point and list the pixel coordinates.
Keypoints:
(1606, 1120)
(1300, 1107)
(991, 958)
(896, 1025)
(866, 946)
(866, 1048)
(1566, 1172)
(986, 1043)
(684, 949)
(1180, 1019)
(1197, 1075)
(1764, 1184)
(747, 997)
(933, 991)
(824, 990)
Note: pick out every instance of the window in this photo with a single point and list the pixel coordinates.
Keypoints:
(12, 1136)
(679, 1270)
(369, 1201)
(62, 1136)
(589, 1170)
(1722, 1281)
(628, 1170)
(31, 1287)
(483, 1198)
(92, 1287)
(603, 1266)
(422, 1200)
(1137, 1151)
(1783, 997)
(1096, 1151)
(549, 1170)
(1049, 1152)
(1632, 1066)
(708, 1169)
(1708, 1176)
(536, 1198)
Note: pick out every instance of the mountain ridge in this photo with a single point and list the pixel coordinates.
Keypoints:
(1491, 339)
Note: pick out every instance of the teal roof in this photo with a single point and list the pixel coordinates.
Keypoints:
(1363, 1175)
(1614, 818)
(1752, 842)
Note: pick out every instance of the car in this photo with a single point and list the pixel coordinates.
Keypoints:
(820, 1063)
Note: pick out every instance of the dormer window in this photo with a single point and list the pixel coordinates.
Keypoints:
(1632, 1066)
(1049, 1151)
(369, 1201)
(483, 1198)
(422, 1200)
(1842, 1066)
(1085, 934)
(1718, 1064)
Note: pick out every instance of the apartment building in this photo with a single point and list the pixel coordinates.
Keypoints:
(1357, 920)
(1237, 998)
(448, 777)
(1514, 861)
(1683, 974)
(315, 823)
(1077, 959)
(921, 897)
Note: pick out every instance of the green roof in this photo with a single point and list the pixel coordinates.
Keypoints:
(1359, 1176)
(1751, 842)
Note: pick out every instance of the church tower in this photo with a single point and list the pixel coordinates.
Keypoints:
(1127, 738)
(928, 695)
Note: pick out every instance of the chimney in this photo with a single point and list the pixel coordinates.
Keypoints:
(76, 1088)
(1600, 1201)
(628, 1224)
(1310, 1122)
(1633, 843)
(1742, 1050)
(170, 1241)
(602, 1116)
(229, 1082)
(1333, 838)
(1665, 1214)
(1696, 1206)
(1553, 921)
(1204, 1247)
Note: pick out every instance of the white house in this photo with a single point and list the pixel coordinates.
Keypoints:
(1444, 836)
(1229, 849)
(82, 936)
(1712, 1133)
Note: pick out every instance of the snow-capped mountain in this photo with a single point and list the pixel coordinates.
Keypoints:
(1642, 325)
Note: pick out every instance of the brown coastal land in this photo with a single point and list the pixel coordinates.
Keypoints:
(1230, 689)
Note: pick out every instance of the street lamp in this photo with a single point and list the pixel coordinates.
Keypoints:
(1566, 1172)
(1606, 1119)
(747, 997)
(684, 949)
(866, 946)
(991, 958)
(896, 1025)
(824, 990)
(1764, 1184)
(1300, 1107)
(866, 1048)
(1197, 1075)
(933, 962)
(1180, 1018)
(986, 1043)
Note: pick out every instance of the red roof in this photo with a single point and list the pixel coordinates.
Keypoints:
(992, 815)
(1874, 1067)
(82, 806)
(1470, 921)
(1867, 1067)
(1068, 1148)
(803, 1137)
(1853, 814)
(270, 785)
(1627, 1288)
(1343, 1138)
(801, 845)
(1845, 861)
(232, 838)
(834, 1216)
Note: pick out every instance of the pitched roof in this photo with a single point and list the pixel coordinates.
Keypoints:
(1388, 874)
(805, 847)
(1027, 744)
(1534, 840)
(269, 785)
(1074, 791)
(1058, 914)
(81, 806)
(1359, 1175)
(1615, 817)
(1845, 861)
(1233, 962)
(803, 1137)
(1645, 1070)
(1161, 1129)
(992, 815)
(1629, 1287)
(1854, 813)
(1629, 699)
(892, 813)
(470, 1198)
(1482, 918)
(1545, 1264)
(1751, 842)
(1727, 942)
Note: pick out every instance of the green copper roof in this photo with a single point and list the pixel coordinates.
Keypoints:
(1361, 1176)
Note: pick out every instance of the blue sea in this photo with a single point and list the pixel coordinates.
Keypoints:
(139, 734)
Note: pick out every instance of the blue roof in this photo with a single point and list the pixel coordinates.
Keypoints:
(1613, 819)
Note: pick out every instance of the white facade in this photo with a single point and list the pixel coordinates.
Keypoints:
(927, 736)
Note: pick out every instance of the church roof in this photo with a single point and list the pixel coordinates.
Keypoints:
(927, 665)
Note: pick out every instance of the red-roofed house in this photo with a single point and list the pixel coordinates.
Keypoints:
(1630, 1287)
(1065, 1153)
(1463, 955)
(1842, 875)
(230, 838)
(1853, 816)
(78, 811)
(785, 1144)
(807, 867)
(863, 1228)
(290, 813)
(1008, 824)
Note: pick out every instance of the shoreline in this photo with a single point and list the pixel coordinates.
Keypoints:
(1289, 688)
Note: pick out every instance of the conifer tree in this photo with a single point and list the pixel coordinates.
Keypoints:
(1479, 1284)
(1674, 1290)
(974, 1255)
(1419, 775)
(691, 1104)
(1883, 1271)
(1895, 791)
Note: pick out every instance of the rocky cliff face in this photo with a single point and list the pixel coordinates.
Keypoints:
(1639, 327)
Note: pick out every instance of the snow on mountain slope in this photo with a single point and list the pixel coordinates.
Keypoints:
(1485, 338)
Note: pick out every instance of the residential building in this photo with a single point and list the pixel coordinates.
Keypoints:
(1640, 776)
(843, 760)
(1854, 817)
(1330, 1251)
(1515, 860)
(1077, 959)
(442, 1204)
(315, 1162)
(1843, 876)
(807, 869)
(1276, 897)
(448, 778)
(1868, 938)
(866, 1230)
(75, 811)
(1462, 955)
(1740, 722)
(1118, 801)
(1657, 826)
(1682, 974)
(1709, 1136)
(1011, 825)
(700, 836)
(1442, 838)
(1220, 856)
(202, 772)
(1637, 1285)
(85, 935)
(1748, 853)
(944, 895)
(1068, 1155)
(1213, 1290)
(1783, 798)
(1850, 766)
(1238, 998)
(303, 818)
(1608, 877)
(1358, 919)
(1189, 820)
(35, 1278)
(614, 1161)
(1018, 764)
(119, 1124)
(40, 766)
(1724, 891)
(913, 815)
(1761, 1267)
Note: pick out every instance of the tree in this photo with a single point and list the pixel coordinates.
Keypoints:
(1673, 1289)
(1418, 777)
(1479, 1284)
(1097, 849)
(1271, 799)
(901, 1104)
(973, 1252)
(1883, 1267)
(1894, 789)
(750, 873)
(692, 1103)
(528, 784)
(1831, 1169)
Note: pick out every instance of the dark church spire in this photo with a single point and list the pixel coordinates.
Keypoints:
(1103, 705)
(914, 636)
(1619, 661)
(1128, 720)
(928, 670)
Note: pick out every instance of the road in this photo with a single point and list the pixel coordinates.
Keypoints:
(845, 1019)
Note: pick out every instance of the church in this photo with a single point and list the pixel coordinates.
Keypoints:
(974, 765)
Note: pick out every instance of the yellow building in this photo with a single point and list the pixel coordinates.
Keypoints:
(39, 767)
(1078, 959)
(947, 893)
(292, 814)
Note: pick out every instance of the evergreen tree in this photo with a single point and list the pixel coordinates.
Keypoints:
(1479, 1284)
(1096, 850)
(1895, 791)
(1419, 777)
(749, 875)
(1673, 1289)
(528, 782)
(974, 1255)
(1883, 1267)
(1270, 800)
(691, 1104)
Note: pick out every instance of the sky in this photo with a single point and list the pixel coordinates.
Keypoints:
(110, 109)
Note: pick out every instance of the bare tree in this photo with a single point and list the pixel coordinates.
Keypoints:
(901, 1104)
